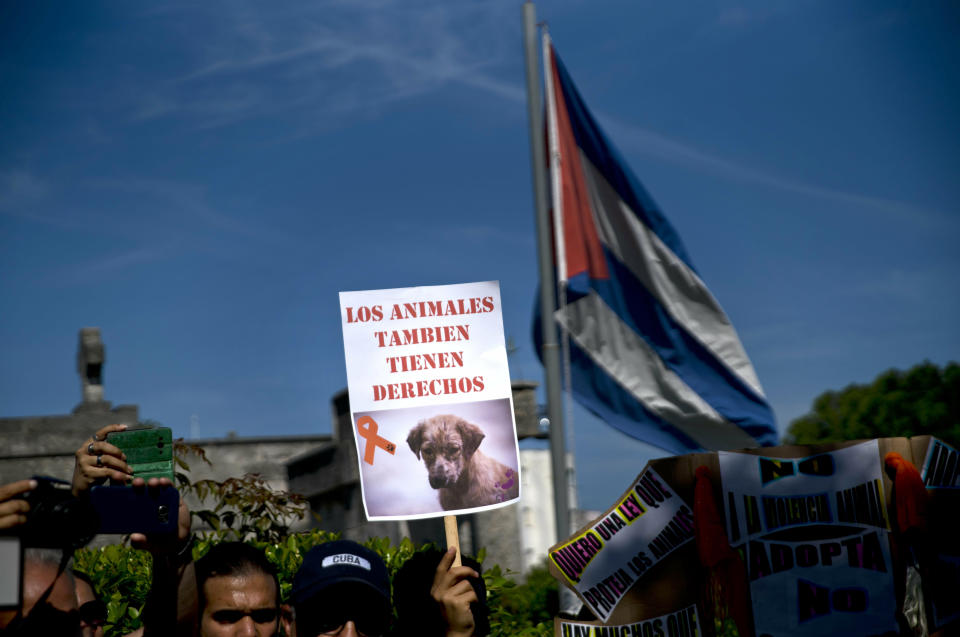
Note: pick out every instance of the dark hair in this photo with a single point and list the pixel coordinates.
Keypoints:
(417, 612)
(233, 559)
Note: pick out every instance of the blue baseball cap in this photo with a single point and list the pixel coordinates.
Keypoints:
(340, 562)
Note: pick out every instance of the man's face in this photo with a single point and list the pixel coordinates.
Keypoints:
(240, 606)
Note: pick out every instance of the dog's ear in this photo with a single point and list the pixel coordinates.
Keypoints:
(471, 436)
(415, 439)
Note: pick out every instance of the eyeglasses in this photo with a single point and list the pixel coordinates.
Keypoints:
(364, 631)
(93, 613)
(259, 616)
(332, 624)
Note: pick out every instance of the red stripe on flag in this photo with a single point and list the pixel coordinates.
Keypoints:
(583, 248)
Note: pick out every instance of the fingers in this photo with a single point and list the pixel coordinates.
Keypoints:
(108, 467)
(462, 592)
(13, 512)
(105, 449)
(103, 431)
(152, 483)
(97, 460)
(446, 570)
(109, 462)
(450, 582)
(139, 541)
(447, 560)
(98, 444)
(8, 491)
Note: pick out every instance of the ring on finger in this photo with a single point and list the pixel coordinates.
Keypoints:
(90, 449)
(99, 460)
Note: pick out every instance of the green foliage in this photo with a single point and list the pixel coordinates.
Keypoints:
(525, 610)
(923, 400)
(121, 576)
(249, 510)
(725, 628)
(244, 509)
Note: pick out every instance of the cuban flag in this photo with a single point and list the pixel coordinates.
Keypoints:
(650, 350)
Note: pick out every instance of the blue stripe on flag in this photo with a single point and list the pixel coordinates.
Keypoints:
(720, 387)
(613, 404)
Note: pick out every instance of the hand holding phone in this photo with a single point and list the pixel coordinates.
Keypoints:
(140, 509)
(149, 452)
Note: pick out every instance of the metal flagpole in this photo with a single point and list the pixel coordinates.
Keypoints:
(551, 352)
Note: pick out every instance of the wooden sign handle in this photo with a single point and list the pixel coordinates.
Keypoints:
(453, 535)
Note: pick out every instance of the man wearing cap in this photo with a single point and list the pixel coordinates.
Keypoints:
(343, 589)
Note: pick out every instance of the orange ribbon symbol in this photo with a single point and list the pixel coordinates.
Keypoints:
(367, 429)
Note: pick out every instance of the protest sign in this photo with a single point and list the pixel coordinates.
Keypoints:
(430, 400)
(941, 469)
(940, 550)
(683, 623)
(814, 531)
(602, 562)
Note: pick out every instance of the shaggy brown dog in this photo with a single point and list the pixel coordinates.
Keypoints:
(463, 476)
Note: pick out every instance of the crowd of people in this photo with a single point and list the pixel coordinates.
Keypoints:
(341, 588)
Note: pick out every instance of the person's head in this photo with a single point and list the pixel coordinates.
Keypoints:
(417, 611)
(341, 589)
(56, 615)
(238, 592)
(93, 612)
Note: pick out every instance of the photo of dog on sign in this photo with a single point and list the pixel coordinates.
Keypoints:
(462, 475)
(434, 460)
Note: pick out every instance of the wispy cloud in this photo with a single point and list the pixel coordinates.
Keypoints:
(493, 235)
(185, 207)
(316, 64)
(330, 57)
(117, 262)
(647, 142)
(20, 192)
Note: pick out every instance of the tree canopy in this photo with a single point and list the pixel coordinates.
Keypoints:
(922, 400)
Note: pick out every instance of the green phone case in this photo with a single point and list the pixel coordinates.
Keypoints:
(148, 451)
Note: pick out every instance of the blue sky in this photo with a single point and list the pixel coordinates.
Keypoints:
(199, 180)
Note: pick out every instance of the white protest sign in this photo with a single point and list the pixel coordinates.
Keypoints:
(683, 623)
(647, 523)
(815, 538)
(430, 400)
(763, 495)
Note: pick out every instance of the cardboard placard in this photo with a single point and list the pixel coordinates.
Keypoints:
(683, 623)
(602, 562)
(430, 400)
(941, 475)
(814, 530)
(941, 467)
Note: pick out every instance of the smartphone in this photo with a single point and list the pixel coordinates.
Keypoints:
(148, 451)
(141, 510)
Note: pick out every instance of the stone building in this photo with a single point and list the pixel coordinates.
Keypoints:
(44, 445)
(321, 467)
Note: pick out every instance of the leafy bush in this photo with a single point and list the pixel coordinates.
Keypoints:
(122, 575)
(248, 509)
(524, 610)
